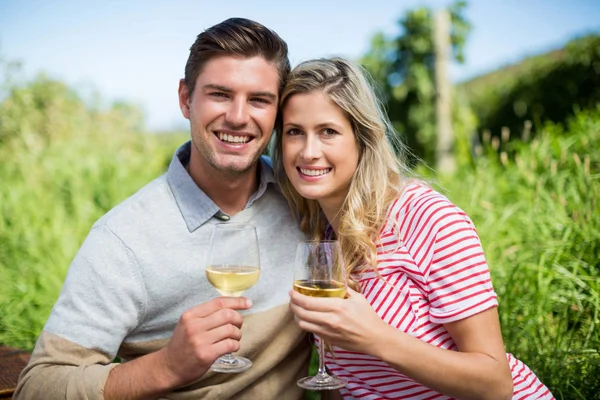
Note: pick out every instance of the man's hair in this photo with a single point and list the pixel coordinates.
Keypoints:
(380, 175)
(237, 37)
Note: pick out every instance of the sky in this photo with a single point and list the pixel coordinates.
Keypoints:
(135, 51)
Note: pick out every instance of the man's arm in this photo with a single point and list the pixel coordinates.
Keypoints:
(203, 334)
(102, 301)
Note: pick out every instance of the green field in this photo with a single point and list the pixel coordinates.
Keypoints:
(536, 205)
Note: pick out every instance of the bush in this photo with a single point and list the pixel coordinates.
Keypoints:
(537, 213)
(549, 87)
(64, 164)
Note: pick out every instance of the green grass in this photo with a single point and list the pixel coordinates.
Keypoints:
(64, 165)
(538, 215)
(535, 204)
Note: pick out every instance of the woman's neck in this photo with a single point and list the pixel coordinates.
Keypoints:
(332, 211)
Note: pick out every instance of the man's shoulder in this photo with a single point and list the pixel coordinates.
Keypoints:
(140, 206)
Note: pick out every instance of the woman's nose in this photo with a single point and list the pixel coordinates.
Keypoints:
(312, 148)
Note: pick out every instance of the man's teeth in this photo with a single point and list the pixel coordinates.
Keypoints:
(315, 172)
(224, 137)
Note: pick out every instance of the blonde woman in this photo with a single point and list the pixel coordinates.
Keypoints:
(420, 321)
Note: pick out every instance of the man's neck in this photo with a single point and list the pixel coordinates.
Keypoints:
(229, 191)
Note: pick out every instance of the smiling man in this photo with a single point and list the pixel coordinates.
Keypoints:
(231, 119)
(137, 290)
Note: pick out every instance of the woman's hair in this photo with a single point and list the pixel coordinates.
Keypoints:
(379, 177)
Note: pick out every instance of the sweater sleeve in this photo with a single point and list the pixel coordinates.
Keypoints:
(102, 301)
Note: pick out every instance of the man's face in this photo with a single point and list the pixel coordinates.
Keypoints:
(231, 111)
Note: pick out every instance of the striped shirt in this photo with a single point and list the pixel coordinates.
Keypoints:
(434, 272)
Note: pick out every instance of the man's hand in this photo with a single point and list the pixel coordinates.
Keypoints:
(203, 334)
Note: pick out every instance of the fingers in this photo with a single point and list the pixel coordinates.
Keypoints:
(309, 316)
(322, 304)
(308, 326)
(223, 317)
(220, 303)
(225, 336)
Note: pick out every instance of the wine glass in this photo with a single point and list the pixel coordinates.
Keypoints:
(319, 272)
(233, 266)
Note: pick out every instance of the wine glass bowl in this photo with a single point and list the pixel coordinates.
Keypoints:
(319, 272)
(232, 280)
(233, 266)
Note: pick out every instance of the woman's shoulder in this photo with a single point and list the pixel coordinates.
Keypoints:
(417, 205)
(414, 195)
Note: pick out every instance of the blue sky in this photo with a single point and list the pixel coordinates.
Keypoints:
(136, 50)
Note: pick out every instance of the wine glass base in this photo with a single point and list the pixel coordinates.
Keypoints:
(239, 364)
(322, 382)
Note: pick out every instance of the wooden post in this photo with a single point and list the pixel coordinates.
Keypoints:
(445, 161)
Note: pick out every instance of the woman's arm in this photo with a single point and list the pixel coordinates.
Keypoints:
(479, 370)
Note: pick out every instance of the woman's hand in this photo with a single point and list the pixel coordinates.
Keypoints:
(349, 323)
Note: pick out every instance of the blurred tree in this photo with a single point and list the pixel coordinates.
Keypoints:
(547, 87)
(403, 67)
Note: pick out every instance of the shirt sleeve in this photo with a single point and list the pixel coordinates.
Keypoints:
(445, 245)
(101, 302)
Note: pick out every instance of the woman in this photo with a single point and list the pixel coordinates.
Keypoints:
(420, 321)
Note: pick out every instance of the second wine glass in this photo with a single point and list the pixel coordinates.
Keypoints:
(233, 265)
(319, 272)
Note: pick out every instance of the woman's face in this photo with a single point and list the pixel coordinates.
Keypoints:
(320, 152)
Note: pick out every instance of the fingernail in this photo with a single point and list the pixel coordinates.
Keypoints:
(248, 303)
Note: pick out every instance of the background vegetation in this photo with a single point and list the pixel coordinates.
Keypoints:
(528, 174)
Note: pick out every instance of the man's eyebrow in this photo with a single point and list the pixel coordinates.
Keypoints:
(217, 87)
(269, 95)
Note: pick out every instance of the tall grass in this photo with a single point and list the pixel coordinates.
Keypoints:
(535, 203)
(536, 206)
(63, 165)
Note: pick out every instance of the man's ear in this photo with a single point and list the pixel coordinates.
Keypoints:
(184, 99)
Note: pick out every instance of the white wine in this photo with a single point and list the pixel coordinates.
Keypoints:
(232, 280)
(320, 288)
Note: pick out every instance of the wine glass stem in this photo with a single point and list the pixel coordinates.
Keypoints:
(228, 358)
(322, 372)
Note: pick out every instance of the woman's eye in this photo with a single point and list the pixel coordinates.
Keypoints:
(329, 132)
(293, 132)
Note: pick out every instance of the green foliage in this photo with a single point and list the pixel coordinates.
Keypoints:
(549, 87)
(64, 164)
(403, 68)
(537, 213)
(535, 204)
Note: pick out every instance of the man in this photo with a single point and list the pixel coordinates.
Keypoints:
(136, 288)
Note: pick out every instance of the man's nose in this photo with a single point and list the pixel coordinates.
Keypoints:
(237, 114)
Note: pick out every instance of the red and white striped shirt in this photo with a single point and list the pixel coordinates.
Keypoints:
(434, 272)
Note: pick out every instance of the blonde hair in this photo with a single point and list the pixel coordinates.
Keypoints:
(379, 177)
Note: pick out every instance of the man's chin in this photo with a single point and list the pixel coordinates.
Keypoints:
(238, 167)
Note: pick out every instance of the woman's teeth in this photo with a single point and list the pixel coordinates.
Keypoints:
(315, 172)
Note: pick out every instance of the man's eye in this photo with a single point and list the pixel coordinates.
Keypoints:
(218, 94)
(260, 100)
